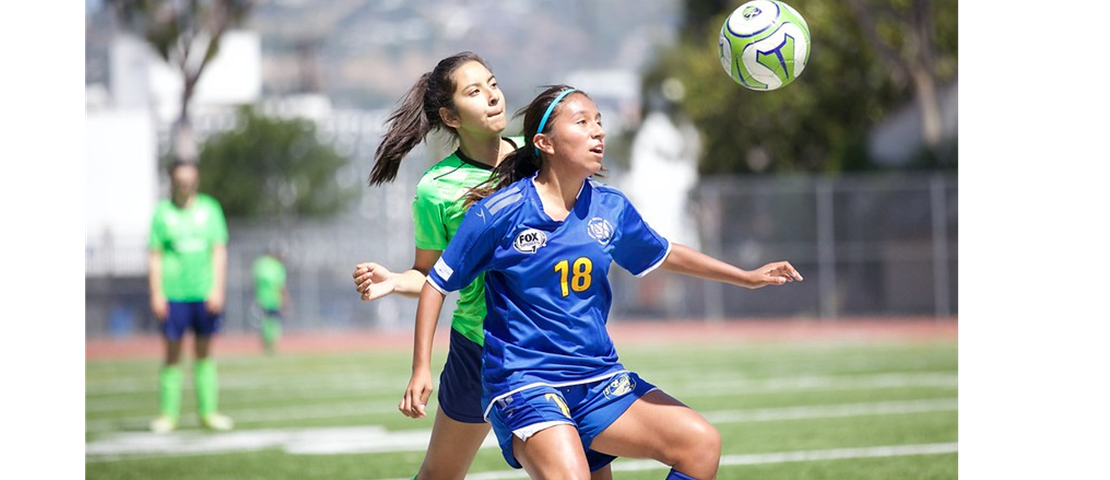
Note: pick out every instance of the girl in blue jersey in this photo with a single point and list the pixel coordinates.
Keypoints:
(461, 97)
(545, 235)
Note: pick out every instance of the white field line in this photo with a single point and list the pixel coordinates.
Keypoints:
(262, 414)
(300, 394)
(796, 384)
(104, 385)
(308, 410)
(622, 465)
(302, 391)
(780, 367)
(831, 411)
(376, 439)
(368, 381)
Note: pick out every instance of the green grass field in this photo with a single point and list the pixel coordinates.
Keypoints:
(813, 410)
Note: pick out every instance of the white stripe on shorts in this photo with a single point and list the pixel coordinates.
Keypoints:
(524, 433)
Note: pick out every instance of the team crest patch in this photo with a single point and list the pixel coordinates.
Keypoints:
(620, 385)
(529, 241)
(600, 229)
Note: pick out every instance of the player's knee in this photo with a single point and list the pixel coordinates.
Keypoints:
(710, 443)
(700, 445)
(558, 467)
(579, 472)
(567, 470)
(440, 472)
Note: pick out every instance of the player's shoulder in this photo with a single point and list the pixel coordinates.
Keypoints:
(207, 200)
(162, 205)
(451, 174)
(605, 191)
(504, 203)
(162, 208)
(446, 164)
(432, 180)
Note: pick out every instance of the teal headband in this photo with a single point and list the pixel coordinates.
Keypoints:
(543, 121)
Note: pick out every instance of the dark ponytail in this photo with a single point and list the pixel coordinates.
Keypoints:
(524, 161)
(417, 115)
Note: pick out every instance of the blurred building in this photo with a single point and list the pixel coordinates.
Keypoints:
(898, 138)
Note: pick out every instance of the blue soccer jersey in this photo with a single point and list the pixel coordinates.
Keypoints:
(547, 286)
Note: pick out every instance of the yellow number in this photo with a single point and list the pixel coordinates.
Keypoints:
(583, 267)
(561, 268)
(580, 280)
(558, 401)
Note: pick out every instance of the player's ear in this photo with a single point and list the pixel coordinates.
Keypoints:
(542, 142)
(449, 117)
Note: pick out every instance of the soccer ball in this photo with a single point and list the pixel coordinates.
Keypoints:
(764, 44)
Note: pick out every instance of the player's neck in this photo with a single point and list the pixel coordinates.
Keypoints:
(185, 202)
(482, 148)
(557, 194)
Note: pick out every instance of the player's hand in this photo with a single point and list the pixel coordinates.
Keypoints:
(215, 302)
(415, 400)
(373, 281)
(776, 273)
(160, 307)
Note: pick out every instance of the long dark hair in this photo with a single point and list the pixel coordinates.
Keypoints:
(417, 115)
(524, 161)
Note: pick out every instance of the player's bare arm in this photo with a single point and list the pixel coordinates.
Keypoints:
(687, 261)
(215, 300)
(419, 389)
(374, 281)
(159, 306)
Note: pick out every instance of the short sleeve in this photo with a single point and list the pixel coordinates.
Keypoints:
(157, 231)
(468, 254)
(219, 224)
(428, 219)
(638, 248)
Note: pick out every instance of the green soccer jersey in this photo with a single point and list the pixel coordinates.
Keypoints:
(437, 212)
(186, 236)
(269, 280)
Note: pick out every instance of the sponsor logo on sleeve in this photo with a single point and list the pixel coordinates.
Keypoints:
(443, 270)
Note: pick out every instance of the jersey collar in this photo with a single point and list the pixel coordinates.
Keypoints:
(474, 163)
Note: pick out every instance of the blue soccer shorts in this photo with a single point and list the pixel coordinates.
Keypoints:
(460, 384)
(589, 407)
(190, 316)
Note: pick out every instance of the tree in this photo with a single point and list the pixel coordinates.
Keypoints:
(271, 167)
(902, 33)
(818, 123)
(186, 35)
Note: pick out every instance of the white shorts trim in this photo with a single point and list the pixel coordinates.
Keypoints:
(524, 433)
(485, 415)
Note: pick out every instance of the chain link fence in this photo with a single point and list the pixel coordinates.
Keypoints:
(876, 245)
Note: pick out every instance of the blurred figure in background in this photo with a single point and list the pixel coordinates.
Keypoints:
(187, 273)
(271, 297)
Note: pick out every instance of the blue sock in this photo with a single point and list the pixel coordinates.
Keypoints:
(677, 475)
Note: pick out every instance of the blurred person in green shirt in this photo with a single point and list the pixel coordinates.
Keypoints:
(187, 273)
(271, 296)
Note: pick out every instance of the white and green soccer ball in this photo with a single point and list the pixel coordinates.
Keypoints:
(764, 44)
